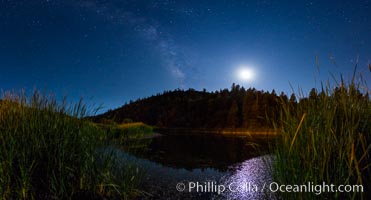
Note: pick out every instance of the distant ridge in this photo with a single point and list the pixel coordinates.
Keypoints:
(236, 108)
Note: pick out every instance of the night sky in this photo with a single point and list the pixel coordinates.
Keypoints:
(110, 52)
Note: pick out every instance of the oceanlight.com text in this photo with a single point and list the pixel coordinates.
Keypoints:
(214, 187)
(314, 188)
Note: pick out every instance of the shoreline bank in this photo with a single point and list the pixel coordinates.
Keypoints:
(224, 132)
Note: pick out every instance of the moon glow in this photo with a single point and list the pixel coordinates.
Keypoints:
(245, 74)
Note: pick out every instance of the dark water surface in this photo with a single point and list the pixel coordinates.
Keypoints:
(202, 166)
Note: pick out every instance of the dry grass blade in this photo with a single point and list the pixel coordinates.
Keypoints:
(296, 132)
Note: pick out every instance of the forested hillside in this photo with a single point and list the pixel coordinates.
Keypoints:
(234, 108)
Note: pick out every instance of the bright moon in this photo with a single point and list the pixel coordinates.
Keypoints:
(245, 73)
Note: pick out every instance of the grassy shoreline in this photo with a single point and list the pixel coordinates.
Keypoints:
(224, 132)
(49, 151)
(326, 138)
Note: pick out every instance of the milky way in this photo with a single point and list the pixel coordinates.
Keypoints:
(121, 50)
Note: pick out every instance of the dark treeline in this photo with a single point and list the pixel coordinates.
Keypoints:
(234, 108)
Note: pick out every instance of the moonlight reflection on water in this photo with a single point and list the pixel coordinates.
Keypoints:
(248, 179)
(171, 160)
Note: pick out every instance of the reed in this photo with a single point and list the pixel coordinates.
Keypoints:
(49, 151)
(326, 137)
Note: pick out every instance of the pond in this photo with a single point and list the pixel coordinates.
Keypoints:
(203, 166)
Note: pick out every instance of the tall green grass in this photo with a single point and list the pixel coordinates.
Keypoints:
(127, 131)
(326, 138)
(132, 138)
(48, 151)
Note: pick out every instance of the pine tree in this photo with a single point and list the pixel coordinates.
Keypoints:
(233, 116)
